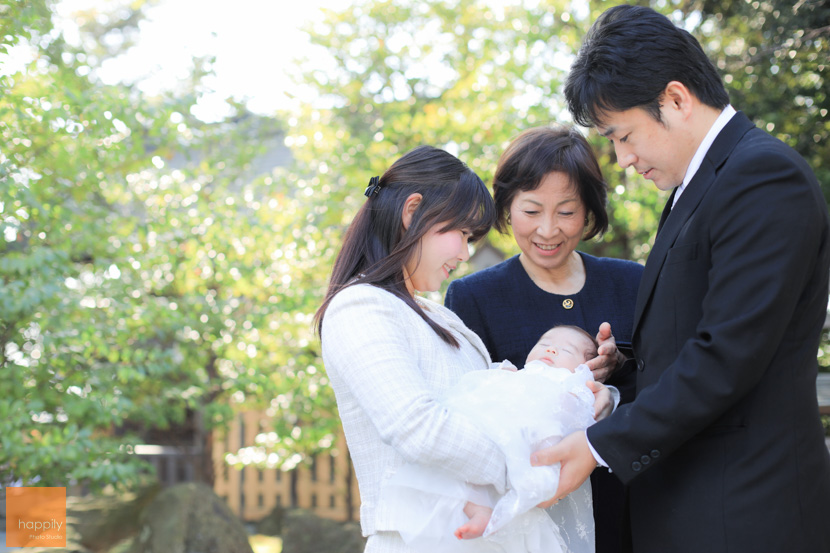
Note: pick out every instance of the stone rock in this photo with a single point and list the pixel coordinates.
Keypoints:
(99, 521)
(271, 524)
(96, 522)
(303, 532)
(71, 547)
(190, 518)
(124, 546)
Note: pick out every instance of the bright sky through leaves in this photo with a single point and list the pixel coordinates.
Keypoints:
(255, 43)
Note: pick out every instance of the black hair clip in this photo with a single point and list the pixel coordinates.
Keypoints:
(373, 188)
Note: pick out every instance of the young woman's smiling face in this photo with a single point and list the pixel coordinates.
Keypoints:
(548, 222)
(438, 255)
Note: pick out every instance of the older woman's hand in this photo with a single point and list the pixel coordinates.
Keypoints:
(608, 358)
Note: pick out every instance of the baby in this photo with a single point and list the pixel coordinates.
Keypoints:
(561, 347)
(520, 411)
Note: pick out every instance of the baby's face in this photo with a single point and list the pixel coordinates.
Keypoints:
(562, 347)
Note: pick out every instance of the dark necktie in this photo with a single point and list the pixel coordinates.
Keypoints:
(666, 210)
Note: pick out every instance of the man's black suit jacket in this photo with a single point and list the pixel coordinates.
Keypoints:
(723, 447)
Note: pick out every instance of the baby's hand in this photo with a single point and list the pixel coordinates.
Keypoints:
(603, 401)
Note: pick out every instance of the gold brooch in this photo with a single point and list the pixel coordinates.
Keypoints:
(568, 303)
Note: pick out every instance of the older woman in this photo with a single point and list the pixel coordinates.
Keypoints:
(549, 190)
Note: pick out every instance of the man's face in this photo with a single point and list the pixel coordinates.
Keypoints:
(660, 151)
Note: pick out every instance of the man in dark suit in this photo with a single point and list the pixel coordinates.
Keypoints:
(722, 449)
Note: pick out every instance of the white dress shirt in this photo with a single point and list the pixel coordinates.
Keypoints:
(703, 149)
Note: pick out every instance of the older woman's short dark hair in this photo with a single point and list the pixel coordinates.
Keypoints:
(542, 150)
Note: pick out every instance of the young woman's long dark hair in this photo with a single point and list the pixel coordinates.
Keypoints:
(376, 246)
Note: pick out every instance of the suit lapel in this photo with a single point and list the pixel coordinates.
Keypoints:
(673, 220)
(666, 236)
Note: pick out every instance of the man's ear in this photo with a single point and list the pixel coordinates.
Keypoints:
(677, 97)
(409, 207)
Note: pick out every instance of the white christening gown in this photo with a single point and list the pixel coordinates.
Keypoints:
(522, 412)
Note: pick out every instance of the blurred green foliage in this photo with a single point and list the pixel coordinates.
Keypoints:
(144, 275)
(773, 55)
(468, 78)
(149, 270)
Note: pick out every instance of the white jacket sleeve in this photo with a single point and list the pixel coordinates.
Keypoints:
(383, 364)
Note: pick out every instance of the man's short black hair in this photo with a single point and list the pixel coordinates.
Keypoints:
(628, 57)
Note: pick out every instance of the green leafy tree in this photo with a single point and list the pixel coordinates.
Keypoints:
(459, 75)
(152, 270)
(138, 263)
(773, 55)
(468, 77)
